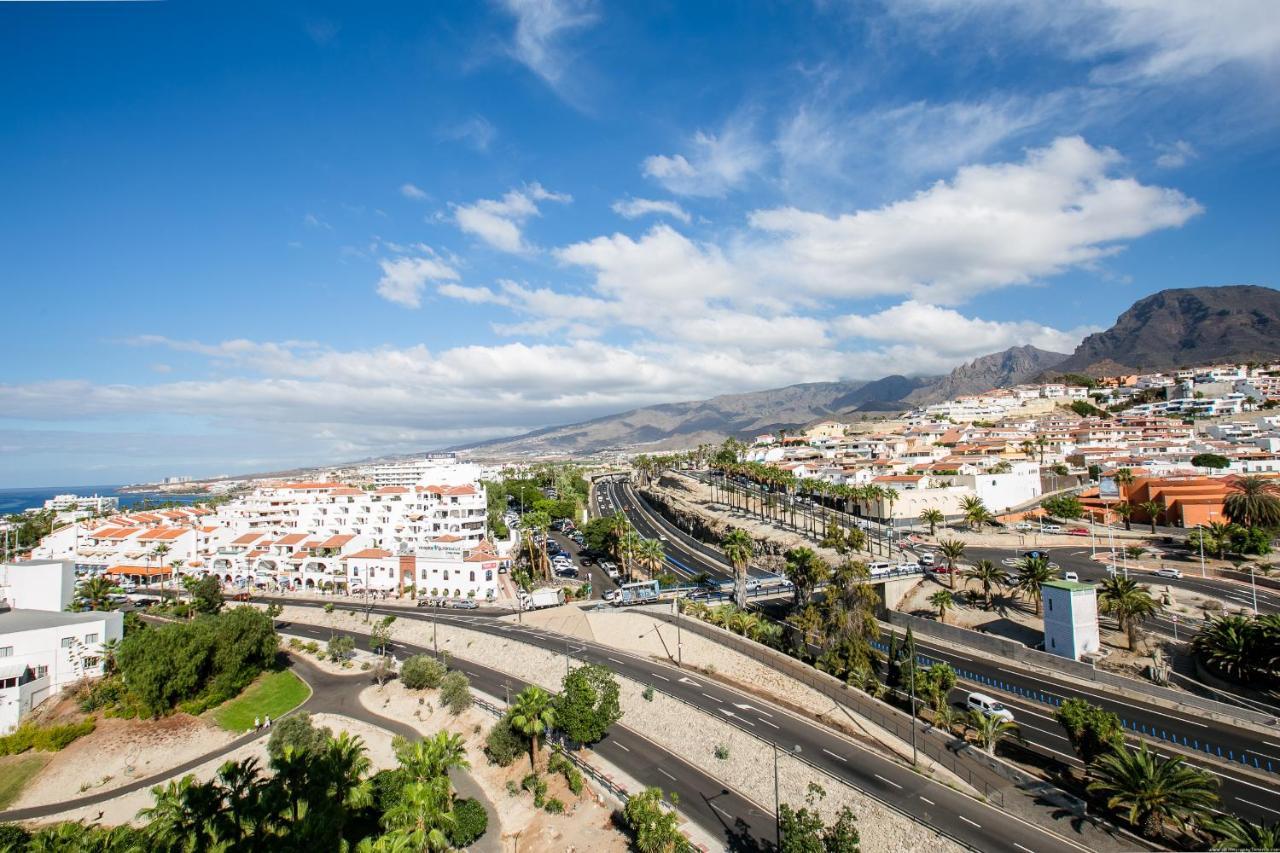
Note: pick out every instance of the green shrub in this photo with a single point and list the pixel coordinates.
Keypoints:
(504, 744)
(573, 776)
(648, 694)
(295, 643)
(388, 787)
(45, 738)
(553, 806)
(722, 752)
(312, 646)
(513, 790)
(13, 837)
(421, 672)
(469, 823)
(455, 692)
(328, 608)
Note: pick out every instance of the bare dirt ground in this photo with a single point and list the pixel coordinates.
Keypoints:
(586, 823)
(118, 753)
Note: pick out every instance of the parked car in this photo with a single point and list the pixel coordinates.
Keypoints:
(926, 559)
(566, 572)
(1051, 528)
(984, 704)
(240, 596)
(1168, 572)
(1035, 554)
(1078, 531)
(464, 604)
(1024, 525)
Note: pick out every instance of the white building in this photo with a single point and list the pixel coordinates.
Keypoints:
(96, 503)
(1000, 492)
(37, 585)
(441, 468)
(1070, 619)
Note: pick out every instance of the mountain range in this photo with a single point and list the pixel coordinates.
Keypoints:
(1167, 330)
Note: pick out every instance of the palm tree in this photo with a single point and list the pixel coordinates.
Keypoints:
(158, 552)
(432, 757)
(532, 715)
(95, 593)
(942, 601)
(1041, 444)
(627, 550)
(1253, 501)
(988, 575)
(805, 570)
(422, 815)
(1153, 793)
(1124, 509)
(1236, 834)
(739, 549)
(179, 816)
(1028, 447)
(243, 791)
(651, 555)
(1153, 510)
(1124, 479)
(976, 513)
(1128, 601)
(932, 517)
(1226, 645)
(988, 730)
(1220, 537)
(1033, 573)
(951, 550)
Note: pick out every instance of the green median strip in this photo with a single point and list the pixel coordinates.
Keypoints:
(271, 695)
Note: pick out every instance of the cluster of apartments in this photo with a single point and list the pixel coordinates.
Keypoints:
(1010, 446)
(324, 535)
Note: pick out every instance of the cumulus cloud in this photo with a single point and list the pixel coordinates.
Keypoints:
(988, 227)
(499, 222)
(404, 279)
(634, 208)
(542, 26)
(713, 165)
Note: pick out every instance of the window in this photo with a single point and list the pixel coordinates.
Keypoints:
(42, 671)
(67, 641)
(1051, 604)
(6, 651)
(90, 638)
(91, 662)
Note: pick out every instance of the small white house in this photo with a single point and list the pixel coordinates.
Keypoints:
(38, 584)
(1070, 618)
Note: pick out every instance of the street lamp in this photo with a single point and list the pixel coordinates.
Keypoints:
(777, 800)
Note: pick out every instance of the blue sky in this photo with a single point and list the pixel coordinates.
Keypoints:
(238, 236)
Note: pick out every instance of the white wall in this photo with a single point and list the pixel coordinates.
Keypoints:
(38, 584)
(1070, 621)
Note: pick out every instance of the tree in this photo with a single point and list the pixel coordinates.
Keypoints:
(380, 635)
(421, 672)
(1153, 793)
(1153, 510)
(1253, 501)
(206, 594)
(422, 815)
(95, 593)
(932, 517)
(1236, 834)
(988, 730)
(1033, 573)
(951, 550)
(455, 692)
(1124, 509)
(739, 548)
(988, 576)
(1210, 460)
(651, 555)
(470, 822)
(1128, 601)
(1242, 649)
(942, 601)
(656, 828)
(803, 830)
(533, 715)
(341, 648)
(299, 733)
(934, 683)
(976, 513)
(588, 704)
(806, 570)
(1093, 731)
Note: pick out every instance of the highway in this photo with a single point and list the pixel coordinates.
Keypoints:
(974, 823)
(1033, 695)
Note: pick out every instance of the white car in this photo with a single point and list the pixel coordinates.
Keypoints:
(1051, 528)
(1071, 576)
(1167, 572)
(984, 704)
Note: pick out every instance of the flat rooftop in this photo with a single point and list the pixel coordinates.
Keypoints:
(12, 621)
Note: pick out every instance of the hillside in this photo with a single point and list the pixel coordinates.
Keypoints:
(998, 370)
(1183, 328)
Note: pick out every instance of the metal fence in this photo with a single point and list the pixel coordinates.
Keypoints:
(943, 750)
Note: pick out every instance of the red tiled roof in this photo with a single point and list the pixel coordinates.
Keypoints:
(335, 541)
(392, 490)
(163, 533)
(369, 554)
(291, 539)
(247, 538)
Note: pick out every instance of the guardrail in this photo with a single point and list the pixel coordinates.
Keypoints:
(885, 716)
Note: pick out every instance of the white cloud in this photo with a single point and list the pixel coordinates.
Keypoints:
(404, 279)
(634, 208)
(475, 131)
(950, 335)
(1175, 155)
(474, 295)
(498, 222)
(663, 265)
(988, 227)
(412, 191)
(313, 221)
(715, 164)
(541, 28)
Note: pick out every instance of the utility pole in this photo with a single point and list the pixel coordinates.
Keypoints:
(777, 799)
(911, 650)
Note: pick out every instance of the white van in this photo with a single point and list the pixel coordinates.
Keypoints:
(875, 569)
(926, 559)
(984, 704)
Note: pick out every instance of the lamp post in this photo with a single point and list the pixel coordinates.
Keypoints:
(1253, 586)
(911, 650)
(1200, 527)
(680, 645)
(777, 799)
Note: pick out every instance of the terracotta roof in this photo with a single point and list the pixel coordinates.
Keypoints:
(148, 571)
(163, 533)
(392, 490)
(447, 537)
(302, 486)
(335, 541)
(291, 539)
(346, 491)
(122, 533)
(257, 552)
(247, 538)
(461, 490)
(369, 554)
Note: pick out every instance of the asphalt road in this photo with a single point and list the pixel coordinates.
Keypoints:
(1033, 696)
(981, 826)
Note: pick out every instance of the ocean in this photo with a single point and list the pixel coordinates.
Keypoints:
(16, 500)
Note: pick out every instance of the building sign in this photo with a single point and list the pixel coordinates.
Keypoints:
(1108, 488)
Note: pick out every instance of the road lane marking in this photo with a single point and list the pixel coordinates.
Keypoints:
(929, 801)
(767, 723)
(1257, 805)
(615, 660)
(621, 747)
(665, 773)
(712, 698)
(722, 811)
(966, 820)
(890, 781)
(1060, 688)
(663, 677)
(833, 755)
(1020, 847)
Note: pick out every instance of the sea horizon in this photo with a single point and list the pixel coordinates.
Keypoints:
(19, 499)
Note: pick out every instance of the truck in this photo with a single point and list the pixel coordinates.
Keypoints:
(540, 598)
(639, 592)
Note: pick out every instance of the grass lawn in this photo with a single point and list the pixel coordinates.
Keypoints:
(16, 771)
(270, 695)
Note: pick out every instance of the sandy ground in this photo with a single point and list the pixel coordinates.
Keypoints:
(586, 823)
(673, 726)
(118, 753)
(125, 809)
(321, 660)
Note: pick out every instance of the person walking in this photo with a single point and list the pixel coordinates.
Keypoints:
(257, 723)
(266, 722)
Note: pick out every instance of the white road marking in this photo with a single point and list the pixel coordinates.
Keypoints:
(1020, 847)
(966, 820)
(890, 781)
(929, 801)
(687, 680)
(722, 811)
(767, 723)
(665, 773)
(615, 660)
(745, 707)
(712, 698)
(663, 677)
(1257, 805)
(833, 755)
(621, 747)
